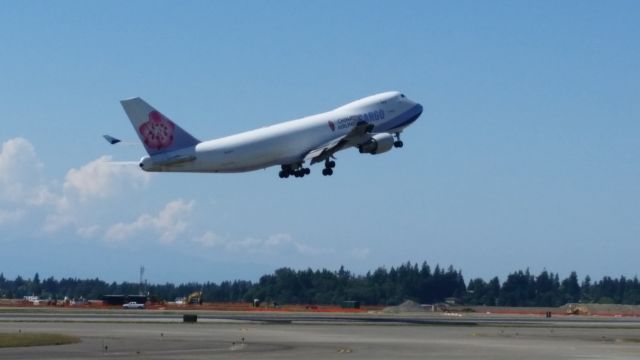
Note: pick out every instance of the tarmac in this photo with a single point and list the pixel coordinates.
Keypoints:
(163, 335)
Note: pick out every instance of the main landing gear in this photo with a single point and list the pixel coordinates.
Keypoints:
(398, 143)
(298, 170)
(288, 170)
(328, 167)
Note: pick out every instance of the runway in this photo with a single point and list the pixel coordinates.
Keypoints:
(162, 335)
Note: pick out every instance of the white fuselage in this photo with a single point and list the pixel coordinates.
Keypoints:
(288, 142)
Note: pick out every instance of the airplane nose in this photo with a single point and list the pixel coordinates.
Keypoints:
(418, 110)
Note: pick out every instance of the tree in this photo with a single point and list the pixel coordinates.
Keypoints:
(380, 286)
(571, 289)
(493, 292)
(585, 290)
(34, 286)
(518, 290)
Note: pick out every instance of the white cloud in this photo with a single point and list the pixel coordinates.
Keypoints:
(15, 154)
(273, 244)
(167, 225)
(278, 239)
(41, 195)
(305, 249)
(102, 178)
(56, 221)
(210, 240)
(360, 253)
(20, 171)
(81, 202)
(94, 181)
(88, 231)
(23, 187)
(10, 216)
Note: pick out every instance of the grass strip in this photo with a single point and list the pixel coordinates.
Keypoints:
(35, 339)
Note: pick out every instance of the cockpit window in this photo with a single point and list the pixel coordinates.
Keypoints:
(401, 95)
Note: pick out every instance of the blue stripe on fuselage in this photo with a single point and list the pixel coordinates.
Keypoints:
(401, 120)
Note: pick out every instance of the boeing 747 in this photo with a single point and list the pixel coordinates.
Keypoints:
(372, 125)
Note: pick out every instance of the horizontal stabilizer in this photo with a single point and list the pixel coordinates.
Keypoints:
(111, 139)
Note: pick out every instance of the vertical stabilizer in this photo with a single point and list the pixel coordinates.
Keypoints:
(157, 132)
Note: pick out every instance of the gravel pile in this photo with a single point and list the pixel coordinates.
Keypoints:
(405, 307)
(604, 309)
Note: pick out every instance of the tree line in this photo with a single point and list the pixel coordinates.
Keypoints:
(383, 286)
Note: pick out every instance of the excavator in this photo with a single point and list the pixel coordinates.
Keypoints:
(194, 298)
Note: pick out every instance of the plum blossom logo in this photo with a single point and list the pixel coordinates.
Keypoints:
(157, 132)
(332, 126)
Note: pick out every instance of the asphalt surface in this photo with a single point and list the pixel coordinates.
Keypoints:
(162, 335)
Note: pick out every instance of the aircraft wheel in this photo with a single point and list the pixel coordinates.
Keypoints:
(307, 171)
(329, 172)
(332, 164)
(398, 144)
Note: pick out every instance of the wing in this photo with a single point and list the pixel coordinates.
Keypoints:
(357, 135)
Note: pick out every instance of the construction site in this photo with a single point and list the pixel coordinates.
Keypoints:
(194, 302)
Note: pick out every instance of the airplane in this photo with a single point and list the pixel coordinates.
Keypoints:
(372, 124)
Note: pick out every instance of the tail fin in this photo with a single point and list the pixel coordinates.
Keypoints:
(156, 131)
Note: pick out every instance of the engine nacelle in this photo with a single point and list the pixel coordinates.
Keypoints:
(378, 144)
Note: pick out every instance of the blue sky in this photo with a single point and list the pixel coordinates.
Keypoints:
(527, 153)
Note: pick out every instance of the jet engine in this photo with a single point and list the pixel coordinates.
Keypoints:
(378, 144)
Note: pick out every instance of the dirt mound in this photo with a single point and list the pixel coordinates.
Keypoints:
(405, 307)
(601, 309)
